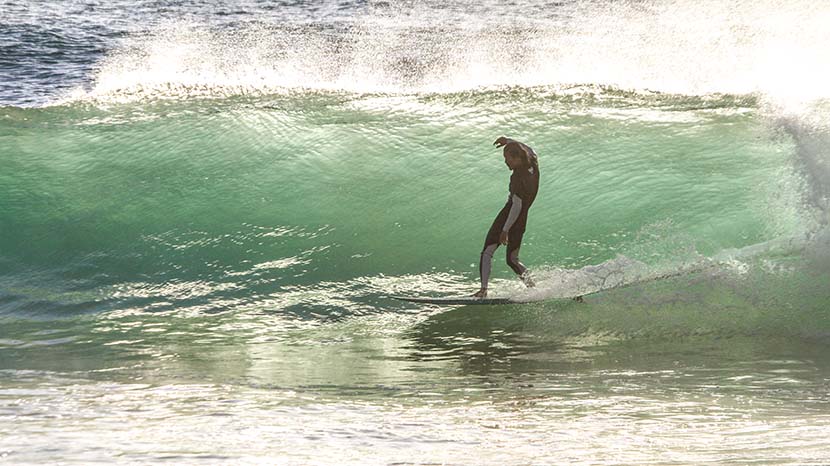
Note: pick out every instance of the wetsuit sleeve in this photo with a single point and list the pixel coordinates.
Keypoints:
(515, 210)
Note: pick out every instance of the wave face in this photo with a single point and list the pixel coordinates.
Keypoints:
(310, 160)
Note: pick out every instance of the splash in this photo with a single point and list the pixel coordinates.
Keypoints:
(772, 48)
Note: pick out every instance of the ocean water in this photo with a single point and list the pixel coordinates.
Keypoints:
(205, 208)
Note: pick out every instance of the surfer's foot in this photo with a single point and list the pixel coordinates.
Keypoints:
(482, 293)
(527, 280)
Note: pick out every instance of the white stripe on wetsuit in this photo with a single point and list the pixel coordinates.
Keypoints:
(486, 264)
(515, 210)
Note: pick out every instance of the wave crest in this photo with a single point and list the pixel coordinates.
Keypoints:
(770, 47)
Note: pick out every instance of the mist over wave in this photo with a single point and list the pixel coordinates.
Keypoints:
(773, 48)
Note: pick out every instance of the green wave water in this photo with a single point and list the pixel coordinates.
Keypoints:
(318, 205)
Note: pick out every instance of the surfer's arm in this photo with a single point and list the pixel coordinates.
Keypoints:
(515, 210)
(503, 141)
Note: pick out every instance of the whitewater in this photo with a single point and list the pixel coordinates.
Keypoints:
(205, 209)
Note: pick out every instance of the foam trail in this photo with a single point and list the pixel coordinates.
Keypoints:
(622, 271)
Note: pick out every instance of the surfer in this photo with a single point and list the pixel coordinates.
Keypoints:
(509, 225)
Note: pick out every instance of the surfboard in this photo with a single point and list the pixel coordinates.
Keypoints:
(458, 301)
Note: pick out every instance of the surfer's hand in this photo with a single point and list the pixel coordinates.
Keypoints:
(501, 141)
(503, 237)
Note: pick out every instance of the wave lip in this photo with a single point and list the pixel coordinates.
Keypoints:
(669, 47)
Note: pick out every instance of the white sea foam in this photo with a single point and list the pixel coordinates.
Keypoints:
(770, 47)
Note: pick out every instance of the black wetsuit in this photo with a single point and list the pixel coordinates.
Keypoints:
(524, 183)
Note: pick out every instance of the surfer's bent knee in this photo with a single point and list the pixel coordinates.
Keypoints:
(513, 262)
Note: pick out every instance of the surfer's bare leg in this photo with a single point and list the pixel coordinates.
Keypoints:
(485, 265)
(519, 268)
